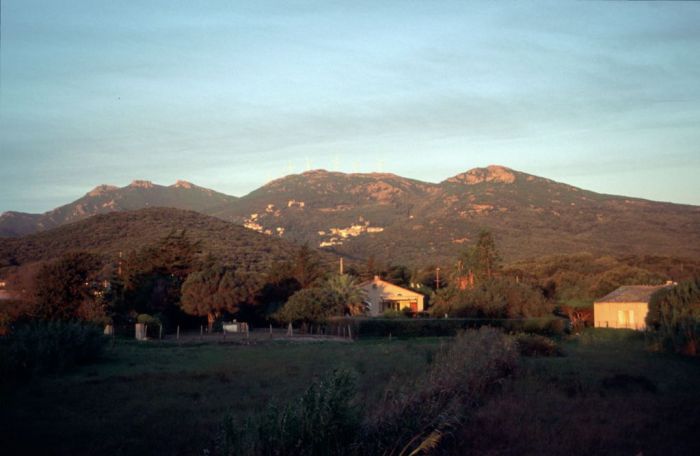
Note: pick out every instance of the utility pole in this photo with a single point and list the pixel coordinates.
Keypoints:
(341, 265)
(437, 278)
(120, 263)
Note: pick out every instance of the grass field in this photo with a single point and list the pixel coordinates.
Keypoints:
(607, 395)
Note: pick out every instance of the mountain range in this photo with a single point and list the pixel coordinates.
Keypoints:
(104, 199)
(408, 221)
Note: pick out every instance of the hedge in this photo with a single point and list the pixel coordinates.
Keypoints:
(436, 327)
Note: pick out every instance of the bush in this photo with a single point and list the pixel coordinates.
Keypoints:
(415, 418)
(536, 345)
(147, 319)
(392, 313)
(311, 305)
(674, 317)
(323, 421)
(44, 347)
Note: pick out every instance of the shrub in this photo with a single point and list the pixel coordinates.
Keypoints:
(324, 420)
(392, 313)
(311, 305)
(147, 319)
(416, 418)
(43, 347)
(674, 316)
(536, 345)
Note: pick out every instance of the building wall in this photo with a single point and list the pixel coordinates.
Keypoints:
(630, 315)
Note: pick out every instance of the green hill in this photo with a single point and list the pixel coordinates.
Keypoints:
(116, 232)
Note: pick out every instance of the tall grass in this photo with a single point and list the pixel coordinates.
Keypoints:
(419, 415)
(414, 415)
(44, 347)
(324, 420)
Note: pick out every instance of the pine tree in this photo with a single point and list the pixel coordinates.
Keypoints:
(483, 258)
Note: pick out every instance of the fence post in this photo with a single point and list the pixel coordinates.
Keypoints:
(160, 332)
(270, 330)
(349, 332)
(201, 332)
(177, 337)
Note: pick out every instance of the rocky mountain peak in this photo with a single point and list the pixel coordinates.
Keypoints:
(101, 190)
(492, 173)
(183, 184)
(141, 184)
(315, 172)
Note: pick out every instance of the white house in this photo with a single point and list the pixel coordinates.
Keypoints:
(382, 295)
(626, 307)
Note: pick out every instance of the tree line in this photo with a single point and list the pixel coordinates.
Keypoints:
(175, 281)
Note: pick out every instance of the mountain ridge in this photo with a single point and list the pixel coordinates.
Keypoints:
(401, 219)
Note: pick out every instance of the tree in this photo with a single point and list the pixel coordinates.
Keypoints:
(674, 314)
(483, 258)
(62, 286)
(311, 305)
(499, 297)
(398, 275)
(217, 289)
(277, 287)
(154, 275)
(351, 295)
(372, 268)
(306, 267)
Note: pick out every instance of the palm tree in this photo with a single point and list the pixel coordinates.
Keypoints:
(352, 296)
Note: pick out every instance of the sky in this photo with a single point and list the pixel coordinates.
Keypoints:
(232, 94)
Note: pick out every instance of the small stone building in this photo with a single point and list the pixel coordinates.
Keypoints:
(382, 296)
(625, 307)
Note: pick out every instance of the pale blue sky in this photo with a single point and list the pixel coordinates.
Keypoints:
(230, 94)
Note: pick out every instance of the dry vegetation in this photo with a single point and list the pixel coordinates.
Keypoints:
(607, 395)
